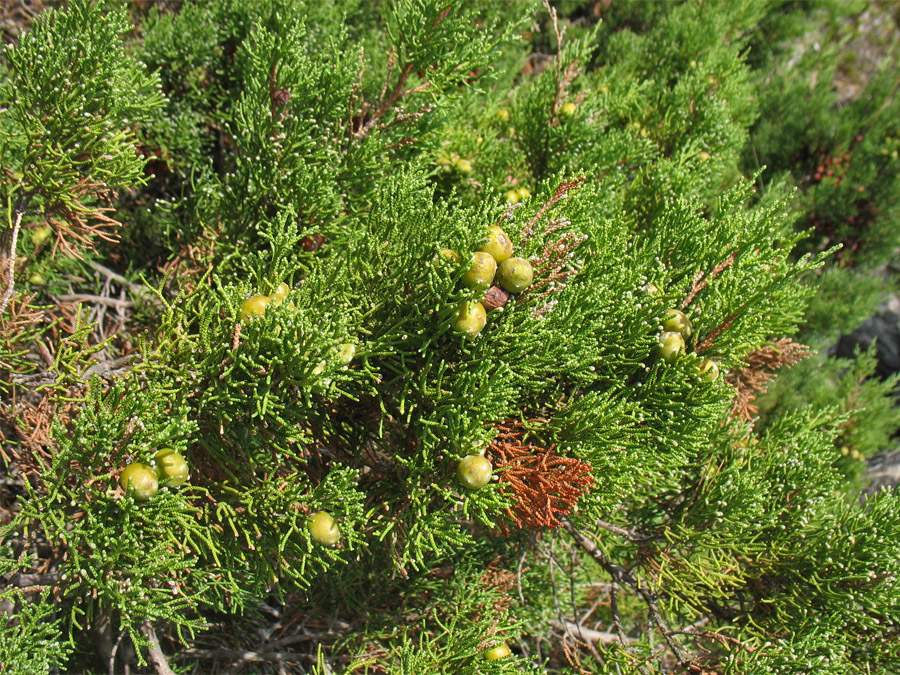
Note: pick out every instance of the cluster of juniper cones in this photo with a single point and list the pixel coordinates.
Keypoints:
(671, 343)
(495, 270)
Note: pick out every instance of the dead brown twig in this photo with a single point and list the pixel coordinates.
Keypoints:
(154, 652)
(387, 101)
(752, 380)
(72, 221)
(550, 268)
(11, 262)
(701, 280)
(626, 577)
(564, 188)
(564, 77)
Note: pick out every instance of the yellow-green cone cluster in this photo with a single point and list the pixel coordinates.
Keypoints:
(452, 161)
(142, 480)
(516, 195)
(255, 306)
(672, 342)
(495, 270)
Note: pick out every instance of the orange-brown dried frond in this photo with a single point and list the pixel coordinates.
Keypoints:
(72, 221)
(752, 380)
(544, 485)
(27, 425)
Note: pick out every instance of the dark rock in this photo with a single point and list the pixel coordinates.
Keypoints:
(884, 330)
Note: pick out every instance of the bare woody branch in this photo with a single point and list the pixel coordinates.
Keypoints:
(700, 282)
(154, 651)
(11, 262)
(564, 188)
(626, 577)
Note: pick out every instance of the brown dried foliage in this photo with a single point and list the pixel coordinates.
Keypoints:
(191, 263)
(564, 75)
(30, 425)
(77, 225)
(543, 484)
(752, 380)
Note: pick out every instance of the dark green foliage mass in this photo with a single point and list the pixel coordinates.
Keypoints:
(642, 515)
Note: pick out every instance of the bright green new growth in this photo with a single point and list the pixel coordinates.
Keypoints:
(630, 495)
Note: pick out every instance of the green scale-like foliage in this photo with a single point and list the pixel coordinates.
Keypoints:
(77, 97)
(31, 636)
(121, 555)
(636, 208)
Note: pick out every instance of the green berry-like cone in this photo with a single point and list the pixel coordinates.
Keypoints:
(140, 480)
(482, 271)
(171, 468)
(498, 652)
(470, 320)
(497, 244)
(280, 294)
(450, 254)
(255, 306)
(464, 166)
(708, 370)
(40, 235)
(670, 345)
(323, 529)
(515, 275)
(348, 351)
(677, 321)
(474, 472)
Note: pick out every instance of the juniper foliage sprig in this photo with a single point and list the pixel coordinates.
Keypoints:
(77, 97)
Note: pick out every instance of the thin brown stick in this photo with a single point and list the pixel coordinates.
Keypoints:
(626, 577)
(709, 340)
(699, 282)
(11, 265)
(717, 637)
(587, 634)
(242, 656)
(561, 191)
(617, 624)
(105, 368)
(630, 535)
(114, 651)
(96, 299)
(154, 651)
(560, 86)
(386, 103)
(119, 279)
